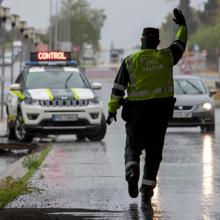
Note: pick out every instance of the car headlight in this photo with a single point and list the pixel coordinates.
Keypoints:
(30, 101)
(95, 100)
(205, 106)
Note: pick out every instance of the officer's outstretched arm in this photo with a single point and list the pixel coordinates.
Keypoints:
(179, 45)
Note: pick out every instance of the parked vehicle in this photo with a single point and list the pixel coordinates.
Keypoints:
(52, 96)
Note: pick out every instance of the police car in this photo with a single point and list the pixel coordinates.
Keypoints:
(52, 96)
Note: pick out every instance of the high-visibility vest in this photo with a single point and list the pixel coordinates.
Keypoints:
(151, 74)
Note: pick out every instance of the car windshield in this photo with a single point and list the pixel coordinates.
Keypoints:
(188, 86)
(55, 79)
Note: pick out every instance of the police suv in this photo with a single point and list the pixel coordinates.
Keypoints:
(52, 96)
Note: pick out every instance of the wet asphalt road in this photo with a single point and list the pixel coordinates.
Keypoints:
(85, 180)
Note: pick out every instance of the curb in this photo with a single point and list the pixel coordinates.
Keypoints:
(217, 103)
(17, 170)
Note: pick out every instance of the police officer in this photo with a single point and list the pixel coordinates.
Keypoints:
(147, 75)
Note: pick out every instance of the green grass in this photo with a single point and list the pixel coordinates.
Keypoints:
(11, 188)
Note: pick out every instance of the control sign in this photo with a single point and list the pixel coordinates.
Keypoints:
(50, 56)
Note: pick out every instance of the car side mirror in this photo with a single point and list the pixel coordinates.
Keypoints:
(15, 86)
(96, 85)
(212, 92)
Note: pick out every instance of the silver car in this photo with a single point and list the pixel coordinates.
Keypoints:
(194, 106)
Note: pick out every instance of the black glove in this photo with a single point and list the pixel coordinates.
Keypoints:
(122, 101)
(111, 117)
(179, 18)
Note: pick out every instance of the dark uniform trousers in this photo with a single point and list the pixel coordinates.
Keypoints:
(146, 124)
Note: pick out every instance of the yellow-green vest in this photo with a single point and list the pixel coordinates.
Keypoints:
(151, 74)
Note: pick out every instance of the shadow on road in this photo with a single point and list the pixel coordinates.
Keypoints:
(134, 213)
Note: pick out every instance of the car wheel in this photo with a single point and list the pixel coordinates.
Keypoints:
(211, 128)
(208, 128)
(100, 132)
(10, 130)
(80, 137)
(21, 133)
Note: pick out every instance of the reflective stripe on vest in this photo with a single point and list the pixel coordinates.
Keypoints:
(51, 97)
(11, 117)
(116, 97)
(19, 94)
(119, 87)
(182, 34)
(157, 91)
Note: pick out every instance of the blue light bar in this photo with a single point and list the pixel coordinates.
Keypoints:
(72, 63)
(31, 63)
(52, 63)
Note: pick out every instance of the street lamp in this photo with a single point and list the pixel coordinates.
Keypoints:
(37, 41)
(22, 27)
(26, 37)
(4, 15)
(30, 33)
(14, 22)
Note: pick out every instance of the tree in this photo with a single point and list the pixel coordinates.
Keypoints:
(210, 11)
(168, 28)
(188, 12)
(85, 23)
(207, 37)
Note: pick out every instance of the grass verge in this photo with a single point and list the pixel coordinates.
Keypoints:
(11, 188)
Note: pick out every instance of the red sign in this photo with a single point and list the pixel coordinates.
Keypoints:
(41, 56)
(50, 56)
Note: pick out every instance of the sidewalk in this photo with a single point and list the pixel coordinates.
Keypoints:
(3, 127)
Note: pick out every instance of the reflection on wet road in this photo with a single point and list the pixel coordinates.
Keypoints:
(86, 179)
(208, 166)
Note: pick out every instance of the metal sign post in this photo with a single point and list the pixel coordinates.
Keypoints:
(3, 71)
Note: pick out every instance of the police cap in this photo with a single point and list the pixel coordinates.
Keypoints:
(150, 32)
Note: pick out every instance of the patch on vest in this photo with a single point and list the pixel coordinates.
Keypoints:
(150, 68)
(150, 64)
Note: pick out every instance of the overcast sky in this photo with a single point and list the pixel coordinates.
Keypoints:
(125, 18)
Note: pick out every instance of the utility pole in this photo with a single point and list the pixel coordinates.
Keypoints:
(14, 21)
(4, 17)
(56, 28)
(2, 80)
(3, 70)
(51, 26)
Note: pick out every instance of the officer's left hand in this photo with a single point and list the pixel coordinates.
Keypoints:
(111, 117)
(178, 17)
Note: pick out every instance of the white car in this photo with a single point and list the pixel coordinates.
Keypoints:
(54, 99)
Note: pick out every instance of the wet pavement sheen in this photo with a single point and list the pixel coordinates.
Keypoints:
(85, 180)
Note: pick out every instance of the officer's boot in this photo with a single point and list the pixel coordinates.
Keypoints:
(132, 176)
(146, 195)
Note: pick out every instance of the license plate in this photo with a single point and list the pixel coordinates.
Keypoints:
(182, 115)
(70, 117)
